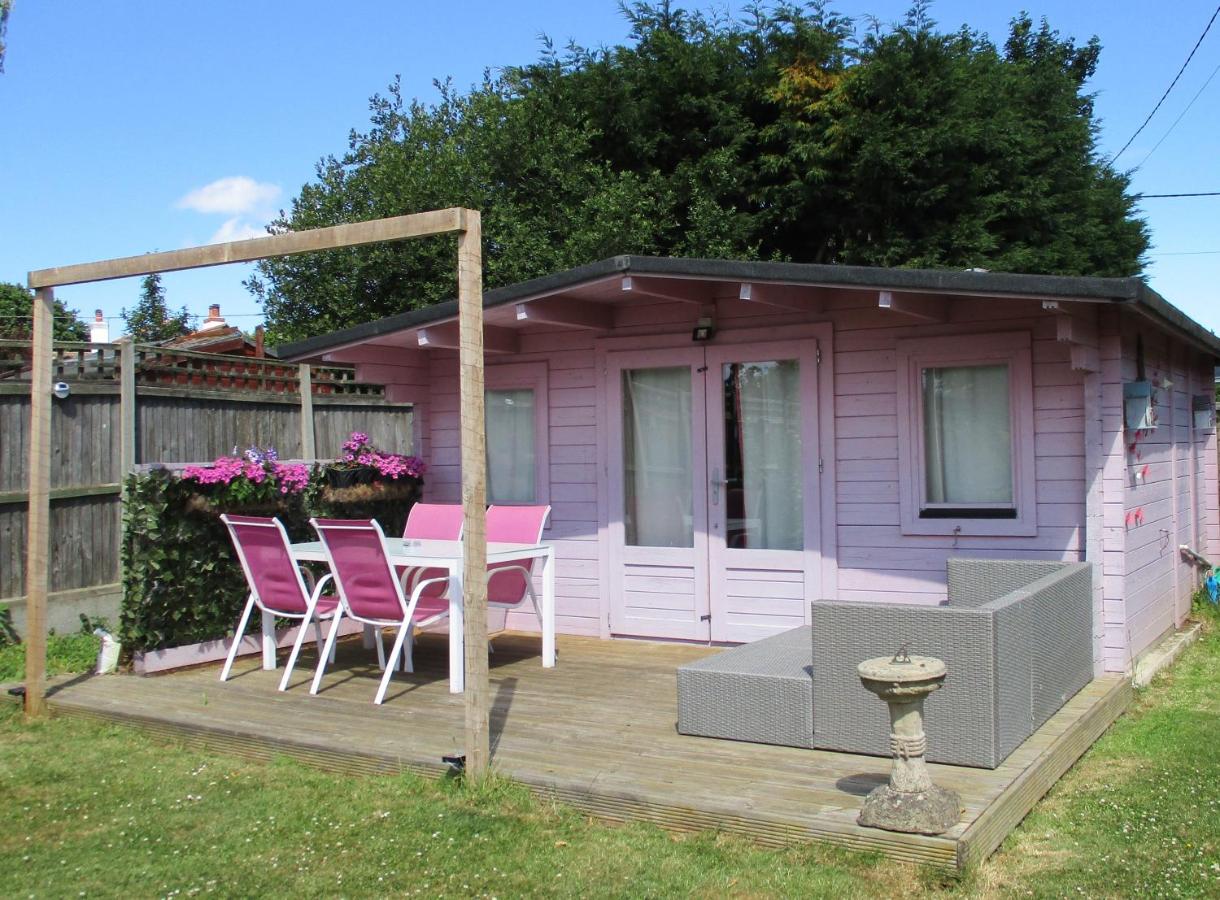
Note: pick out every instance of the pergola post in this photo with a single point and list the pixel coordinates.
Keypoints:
(474, 492)
(38, 533)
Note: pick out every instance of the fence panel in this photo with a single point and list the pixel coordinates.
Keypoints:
(190, 407)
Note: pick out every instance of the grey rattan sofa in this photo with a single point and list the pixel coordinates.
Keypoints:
(1016, 636)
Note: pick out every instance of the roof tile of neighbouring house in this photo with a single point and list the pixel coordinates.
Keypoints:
(972, 283)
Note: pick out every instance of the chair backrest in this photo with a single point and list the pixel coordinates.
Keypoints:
(434, 522)
(362, 570)
(272, 574)
(513, 525)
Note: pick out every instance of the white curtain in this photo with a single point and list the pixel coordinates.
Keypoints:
(967, 435)
(769, 419)
(510, 446)
(657, 490)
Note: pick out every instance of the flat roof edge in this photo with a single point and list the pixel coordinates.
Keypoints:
(1127, 291)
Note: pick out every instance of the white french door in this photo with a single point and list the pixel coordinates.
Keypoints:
(657, 491)
(713, 461)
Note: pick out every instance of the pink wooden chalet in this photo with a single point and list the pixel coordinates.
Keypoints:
(723, 442)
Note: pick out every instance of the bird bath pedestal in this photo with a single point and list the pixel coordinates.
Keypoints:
(910, 802)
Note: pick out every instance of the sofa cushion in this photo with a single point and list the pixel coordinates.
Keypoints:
(760, 692)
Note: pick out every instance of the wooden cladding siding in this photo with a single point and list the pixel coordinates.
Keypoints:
(1167, 480)
(173, 425)
(876, 562)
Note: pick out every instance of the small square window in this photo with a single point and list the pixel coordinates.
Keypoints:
(511, 466)
(966, 435)
(515, 413)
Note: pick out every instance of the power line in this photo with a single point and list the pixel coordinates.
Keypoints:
(1194, 194)
(1168, 89)
(1187, 253)
(1181, 115)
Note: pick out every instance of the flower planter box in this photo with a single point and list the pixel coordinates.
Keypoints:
(346, 478)
(151, 662)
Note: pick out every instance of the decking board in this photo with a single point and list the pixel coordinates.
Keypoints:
(597, 732)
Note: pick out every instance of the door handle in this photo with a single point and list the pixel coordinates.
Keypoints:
(716, 481)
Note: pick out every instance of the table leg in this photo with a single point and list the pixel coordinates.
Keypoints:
(457, 625)
(548, 609)
(369, 637)
(268, 641)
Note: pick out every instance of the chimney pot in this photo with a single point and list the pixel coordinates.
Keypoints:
(214, 319)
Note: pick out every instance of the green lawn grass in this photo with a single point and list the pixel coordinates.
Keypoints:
(101, 810)
(65, 653)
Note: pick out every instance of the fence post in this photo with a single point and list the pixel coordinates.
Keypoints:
(38, 532)
(309, 448)
(127, 408)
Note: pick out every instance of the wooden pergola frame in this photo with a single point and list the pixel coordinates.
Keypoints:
(466, 223)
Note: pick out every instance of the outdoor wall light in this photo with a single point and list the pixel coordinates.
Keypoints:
(61, 390)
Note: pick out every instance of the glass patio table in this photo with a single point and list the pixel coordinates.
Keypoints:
(447, 555)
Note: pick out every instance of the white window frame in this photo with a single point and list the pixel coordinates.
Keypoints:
(528, 376)
(1012, 349)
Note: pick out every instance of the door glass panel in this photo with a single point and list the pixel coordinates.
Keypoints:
(657, 491)
(763, 494)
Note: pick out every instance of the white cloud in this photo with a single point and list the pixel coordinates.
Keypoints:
(236, 229)
(231, 196)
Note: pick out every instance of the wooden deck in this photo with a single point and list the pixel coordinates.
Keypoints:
(596, 732)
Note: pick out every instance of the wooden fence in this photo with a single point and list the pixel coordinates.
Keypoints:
(130, 404)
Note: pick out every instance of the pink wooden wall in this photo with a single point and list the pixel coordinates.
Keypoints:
(1161, 492)
(875, 561)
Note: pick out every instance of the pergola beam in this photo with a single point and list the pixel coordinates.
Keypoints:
(398, 228)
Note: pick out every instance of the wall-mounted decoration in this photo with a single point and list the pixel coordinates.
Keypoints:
(1139, 406)
(1204, 406)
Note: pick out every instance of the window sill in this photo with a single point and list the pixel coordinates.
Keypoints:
(971, 526)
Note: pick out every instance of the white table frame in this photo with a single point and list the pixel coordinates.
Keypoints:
(448, 555)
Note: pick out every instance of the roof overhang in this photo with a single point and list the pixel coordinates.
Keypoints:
(606, 278)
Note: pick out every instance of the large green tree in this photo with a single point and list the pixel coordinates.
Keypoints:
(151, 320)
(783, 135)
(16, 316)
(6, 7)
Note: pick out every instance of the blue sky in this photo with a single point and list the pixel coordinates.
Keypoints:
(149, 125)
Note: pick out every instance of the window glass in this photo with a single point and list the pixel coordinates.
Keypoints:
(967, 436)
(510, 446)
(762, 453)
(657, 492)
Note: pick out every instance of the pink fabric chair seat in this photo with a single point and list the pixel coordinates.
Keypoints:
(432, 522)
(276, 582)
(430, 607)
(508, 583)
(369, 592)
(326, 605)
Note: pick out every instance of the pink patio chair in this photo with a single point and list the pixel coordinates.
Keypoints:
(369, 591)
(277, 583)
(508, 584)
(431, 522)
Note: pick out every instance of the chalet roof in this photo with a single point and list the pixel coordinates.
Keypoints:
(1130, 292)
